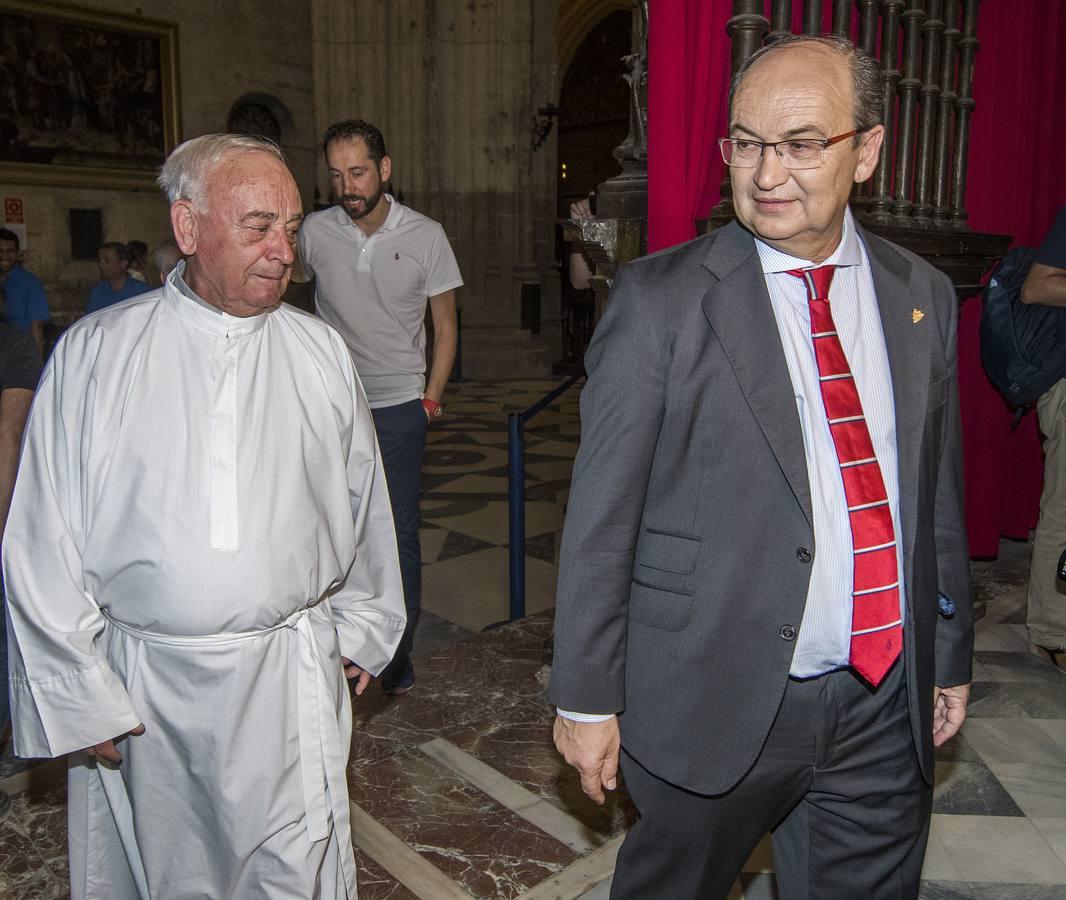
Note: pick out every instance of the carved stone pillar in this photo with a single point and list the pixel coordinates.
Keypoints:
(932, 29)
(780, 20)
(842, 17)
(909, 85)
(945, 108)
(868, 19)
(812, 17)
(890, 76)
(868, 25)
(747, 28)
(964, 105)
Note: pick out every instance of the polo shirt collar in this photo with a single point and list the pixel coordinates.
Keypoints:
(847, 253)
(392, 220)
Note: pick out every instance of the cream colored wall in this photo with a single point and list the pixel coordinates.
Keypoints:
(225, 51)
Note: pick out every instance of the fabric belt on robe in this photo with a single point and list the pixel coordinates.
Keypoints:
(321, 751)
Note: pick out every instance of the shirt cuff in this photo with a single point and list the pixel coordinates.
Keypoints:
(584, 717)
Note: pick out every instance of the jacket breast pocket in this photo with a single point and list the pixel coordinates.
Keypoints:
(666, 551)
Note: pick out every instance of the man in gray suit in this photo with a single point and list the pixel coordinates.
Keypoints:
(763, 607)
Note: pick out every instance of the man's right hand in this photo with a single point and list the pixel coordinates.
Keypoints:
(107, 750)
(591, 748)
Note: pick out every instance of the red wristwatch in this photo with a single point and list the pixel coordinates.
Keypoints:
(432, 407)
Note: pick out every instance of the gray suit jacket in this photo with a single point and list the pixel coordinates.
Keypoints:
(684, 568)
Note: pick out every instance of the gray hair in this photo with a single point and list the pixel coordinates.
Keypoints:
(184, 174)
(865, 74)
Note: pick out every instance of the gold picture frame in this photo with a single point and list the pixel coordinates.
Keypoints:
(87, 98)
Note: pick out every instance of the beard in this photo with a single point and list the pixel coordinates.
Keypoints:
(369, 204)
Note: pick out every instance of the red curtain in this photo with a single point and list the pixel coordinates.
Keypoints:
(1018, 129)
(688, 82)
(1013, 187)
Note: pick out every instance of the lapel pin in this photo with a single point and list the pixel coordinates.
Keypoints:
(917, 315)
(397, 256)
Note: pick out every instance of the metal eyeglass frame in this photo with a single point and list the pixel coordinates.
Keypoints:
(762, 145)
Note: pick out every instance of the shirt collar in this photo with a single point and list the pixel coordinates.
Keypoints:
(847, 253)
(202, 315)
(392, 220)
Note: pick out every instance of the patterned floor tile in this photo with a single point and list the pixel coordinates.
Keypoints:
(970, 789)
(1011, 741)
(945, 890)
(1038, 790)
(1019, 666)
(1019, 891)
(1001, 850)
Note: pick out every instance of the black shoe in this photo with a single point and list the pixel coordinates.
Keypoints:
(400, 687)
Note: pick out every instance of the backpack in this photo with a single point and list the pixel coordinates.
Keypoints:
(1023, 346)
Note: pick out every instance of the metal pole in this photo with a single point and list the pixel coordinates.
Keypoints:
(517, 514)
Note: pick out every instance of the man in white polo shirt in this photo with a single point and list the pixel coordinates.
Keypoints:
(376, 264)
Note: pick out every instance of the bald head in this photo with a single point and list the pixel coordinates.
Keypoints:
(799, 95)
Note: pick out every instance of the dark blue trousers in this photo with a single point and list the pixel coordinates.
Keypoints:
(402, 436)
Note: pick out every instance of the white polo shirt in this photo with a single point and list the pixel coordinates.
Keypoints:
(374, 291)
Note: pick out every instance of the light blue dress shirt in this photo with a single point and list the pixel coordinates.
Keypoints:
(825, 634)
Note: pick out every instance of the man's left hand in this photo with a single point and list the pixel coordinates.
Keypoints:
(949, 711)
(351, 670)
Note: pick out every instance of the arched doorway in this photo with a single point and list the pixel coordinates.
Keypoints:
(593, 108)
(593, 120)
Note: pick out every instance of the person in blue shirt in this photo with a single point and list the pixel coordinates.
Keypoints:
(115, 283)
(27, 305)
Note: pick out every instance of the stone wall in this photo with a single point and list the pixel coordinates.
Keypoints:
(225, 51)
(454, 84)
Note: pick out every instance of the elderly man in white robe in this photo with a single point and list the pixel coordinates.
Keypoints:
(200, 548)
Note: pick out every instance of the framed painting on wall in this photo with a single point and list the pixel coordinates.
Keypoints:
(87, 98)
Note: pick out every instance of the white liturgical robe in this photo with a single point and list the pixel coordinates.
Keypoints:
(201, 529)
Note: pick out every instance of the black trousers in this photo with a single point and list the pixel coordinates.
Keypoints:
(838, 785)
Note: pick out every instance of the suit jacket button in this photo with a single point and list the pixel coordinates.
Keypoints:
(803, 555)
(787, 632)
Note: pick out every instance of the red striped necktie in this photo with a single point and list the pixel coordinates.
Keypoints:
(876, 628)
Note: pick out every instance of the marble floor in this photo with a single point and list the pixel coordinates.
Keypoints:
(456, 790)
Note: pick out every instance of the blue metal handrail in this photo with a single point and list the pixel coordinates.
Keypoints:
(516, 477)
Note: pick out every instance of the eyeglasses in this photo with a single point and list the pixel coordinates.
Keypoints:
(806, 153)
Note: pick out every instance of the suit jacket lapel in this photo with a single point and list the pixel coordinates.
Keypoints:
(909, 347)
(738, 309)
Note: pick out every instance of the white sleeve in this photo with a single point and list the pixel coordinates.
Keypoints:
(584, 717)
(64, 695)
(442, 269)
(368, 609)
